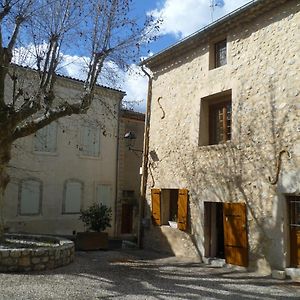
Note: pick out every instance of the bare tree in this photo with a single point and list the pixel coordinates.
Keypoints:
(101, 30)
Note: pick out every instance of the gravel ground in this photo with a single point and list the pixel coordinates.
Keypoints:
(135, 274)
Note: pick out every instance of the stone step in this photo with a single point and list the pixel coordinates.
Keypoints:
(294, 273)
(215, 262)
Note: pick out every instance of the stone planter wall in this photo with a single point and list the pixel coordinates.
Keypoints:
(37, 259)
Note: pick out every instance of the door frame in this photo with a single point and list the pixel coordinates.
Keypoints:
(239, 216)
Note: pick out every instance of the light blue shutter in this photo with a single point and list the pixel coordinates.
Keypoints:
(90, 141)
(30, 197)
(104, 194)
(73, 196)
(45, 138)
(51, 137)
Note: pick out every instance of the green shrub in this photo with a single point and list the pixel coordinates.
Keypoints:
(97, 217)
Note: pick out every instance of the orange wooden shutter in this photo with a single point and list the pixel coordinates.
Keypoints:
(155, 199)
(182, 209)
(235, 234)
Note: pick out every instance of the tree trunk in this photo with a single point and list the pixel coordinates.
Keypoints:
(5, 151)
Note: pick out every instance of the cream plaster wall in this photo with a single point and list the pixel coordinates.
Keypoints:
(263, 74)
(53, 169)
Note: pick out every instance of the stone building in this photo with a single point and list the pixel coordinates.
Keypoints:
(70, 164)
(130, 161)
(224, 140)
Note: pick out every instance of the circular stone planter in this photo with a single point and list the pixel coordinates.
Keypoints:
(24, 252)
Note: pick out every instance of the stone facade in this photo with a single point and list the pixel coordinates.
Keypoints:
(261, 78)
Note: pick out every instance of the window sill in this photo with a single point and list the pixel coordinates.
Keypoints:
(29, 215)
(216, 146)
(45, 153)
(90, 157)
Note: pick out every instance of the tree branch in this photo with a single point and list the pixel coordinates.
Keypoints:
(53, 114)
(12, 42)
(5, 11)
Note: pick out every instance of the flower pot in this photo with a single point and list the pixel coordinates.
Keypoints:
(173, 224)
(87, 241)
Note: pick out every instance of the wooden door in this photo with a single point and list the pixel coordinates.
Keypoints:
(294, 207)
(235, 234)
(182, 209)
(127, 214)
(155, 200)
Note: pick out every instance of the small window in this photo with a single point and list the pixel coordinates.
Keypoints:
(72, 197)
(220, 123)
(103, 194)
(220, 54)
(128, 194)
(90, 141)
(45, 139)
(30, 197)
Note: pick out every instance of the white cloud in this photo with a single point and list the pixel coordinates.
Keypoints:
(133, 82)
(182, 18)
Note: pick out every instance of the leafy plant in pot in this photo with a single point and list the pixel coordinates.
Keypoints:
(96, 218)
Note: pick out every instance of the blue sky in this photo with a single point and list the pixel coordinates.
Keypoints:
(180, 19)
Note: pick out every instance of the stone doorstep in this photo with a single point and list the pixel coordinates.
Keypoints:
(293, 273)
(278, 274)
(214, 262)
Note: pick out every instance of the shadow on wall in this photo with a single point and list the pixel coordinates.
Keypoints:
(241, 171)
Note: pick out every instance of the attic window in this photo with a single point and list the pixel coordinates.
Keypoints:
(218, 54)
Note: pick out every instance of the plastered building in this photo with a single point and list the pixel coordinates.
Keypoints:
(70, 164)
(224, 141)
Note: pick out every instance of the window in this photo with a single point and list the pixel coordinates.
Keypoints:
(45, 138)
(90, 141)
(128, 194)
(215, 118)
(220, 54)
(30, 197)
(170, 204)
(220, 122)
(103, 194)
(72, 196)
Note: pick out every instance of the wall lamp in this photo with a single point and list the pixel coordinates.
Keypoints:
(130, 138)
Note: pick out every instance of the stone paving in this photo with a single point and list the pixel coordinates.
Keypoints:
(136, 274)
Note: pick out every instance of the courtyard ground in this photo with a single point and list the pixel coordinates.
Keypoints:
(136, 274)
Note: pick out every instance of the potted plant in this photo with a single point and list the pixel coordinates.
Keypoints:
(96, 218)
(173, 222)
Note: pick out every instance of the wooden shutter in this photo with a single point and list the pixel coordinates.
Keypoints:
(182, 209)
(155, 199)
(235, 234)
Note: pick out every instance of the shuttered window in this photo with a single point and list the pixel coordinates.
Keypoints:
(30, 197)
(90, 141)
(45, 139)
(103, 194)
(72, 197)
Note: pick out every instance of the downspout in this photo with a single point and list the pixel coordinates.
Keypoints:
(117, 168)
(145, 161)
